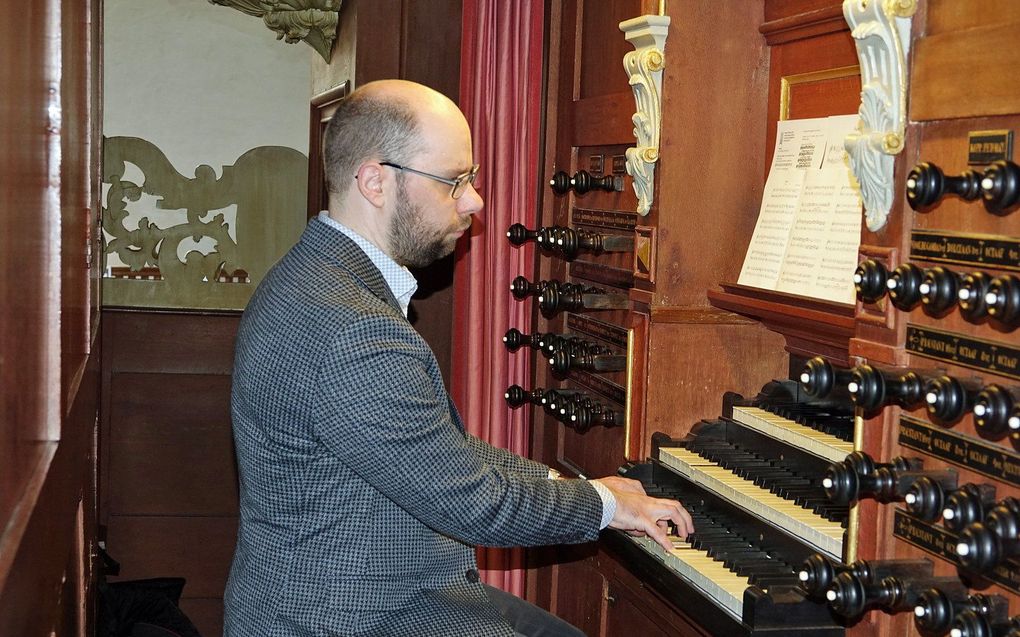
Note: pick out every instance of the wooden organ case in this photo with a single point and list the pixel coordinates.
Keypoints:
(648, 355)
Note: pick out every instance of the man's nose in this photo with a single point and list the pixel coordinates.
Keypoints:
(470, 203)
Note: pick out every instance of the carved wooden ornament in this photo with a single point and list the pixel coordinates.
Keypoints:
(644, 68)
(881, 32)
(310, 21)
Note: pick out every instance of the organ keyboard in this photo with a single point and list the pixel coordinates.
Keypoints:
(752, 483)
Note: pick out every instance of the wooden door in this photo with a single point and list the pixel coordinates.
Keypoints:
(49, 201)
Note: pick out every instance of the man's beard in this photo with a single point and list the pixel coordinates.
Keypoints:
(413, 243)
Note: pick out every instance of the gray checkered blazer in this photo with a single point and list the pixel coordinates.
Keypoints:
(361, 493)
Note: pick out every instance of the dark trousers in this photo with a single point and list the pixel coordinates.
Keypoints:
(527, 619)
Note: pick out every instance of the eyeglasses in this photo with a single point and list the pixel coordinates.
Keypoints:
(457, 184)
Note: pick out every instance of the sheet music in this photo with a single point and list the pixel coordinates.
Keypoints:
(808, 231)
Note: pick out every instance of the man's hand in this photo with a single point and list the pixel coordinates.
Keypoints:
(638, 514)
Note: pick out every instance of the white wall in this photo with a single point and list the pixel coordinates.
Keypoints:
(203, 82)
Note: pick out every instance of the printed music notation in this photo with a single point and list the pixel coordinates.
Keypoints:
(809, 224)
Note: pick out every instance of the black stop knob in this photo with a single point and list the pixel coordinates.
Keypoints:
(817, 573)
(517, 396)
(870, 280)
(514, 339)
(1003, 300)
(971, 296)
(996, 412)
(948, 399)
(518, 234)
(583, 181)
(562, 362)
(560, 182)
(937, 608)
(904, 286)
(1000, 187)
(925, 499)
(926, 184)
(870, 388)
(819, 377)
(859, 475)
(970, 623)
(983, 545)
(521, 288)
(967, 505)
(938, 290)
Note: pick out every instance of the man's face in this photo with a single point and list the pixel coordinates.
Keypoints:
(426, 221)
(414, 241)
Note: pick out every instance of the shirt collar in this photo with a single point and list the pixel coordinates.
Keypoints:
(399, 279)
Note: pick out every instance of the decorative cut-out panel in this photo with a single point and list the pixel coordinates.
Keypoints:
(201, 242)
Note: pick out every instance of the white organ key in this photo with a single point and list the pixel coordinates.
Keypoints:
(824, 535)
(818, 443)
(707, 574)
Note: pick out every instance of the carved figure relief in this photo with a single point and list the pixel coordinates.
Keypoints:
(311, 21)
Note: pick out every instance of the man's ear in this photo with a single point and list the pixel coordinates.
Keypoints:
(370, 180)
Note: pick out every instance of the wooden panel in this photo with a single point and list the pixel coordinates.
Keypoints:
(837, 96)
(171, 342)
(49, 111)
(601, 63)
(967, 73)
(714, 359)
(206, 613)
(782, 9)
(953, 15)
(170, 446)
(197, 548)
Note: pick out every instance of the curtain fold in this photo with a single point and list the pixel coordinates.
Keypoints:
(501, 95)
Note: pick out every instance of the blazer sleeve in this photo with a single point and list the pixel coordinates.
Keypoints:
(381, 408)
(507, 460)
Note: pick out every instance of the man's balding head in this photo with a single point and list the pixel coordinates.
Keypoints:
(379, 121)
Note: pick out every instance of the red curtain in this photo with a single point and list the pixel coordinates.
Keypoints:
(501, 95)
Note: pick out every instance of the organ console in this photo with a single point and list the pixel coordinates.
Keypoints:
(884, 474)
